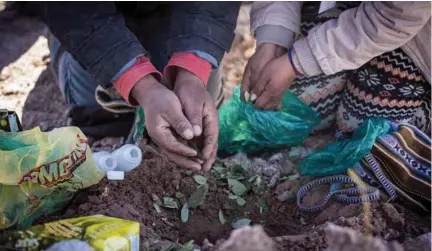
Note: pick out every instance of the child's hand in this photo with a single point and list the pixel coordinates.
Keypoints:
(276, 77)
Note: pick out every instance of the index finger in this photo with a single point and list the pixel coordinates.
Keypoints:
(211, 128)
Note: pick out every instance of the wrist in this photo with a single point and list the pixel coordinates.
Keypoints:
(186, 61)
(296, 71)
(142, 90)
(142, 69)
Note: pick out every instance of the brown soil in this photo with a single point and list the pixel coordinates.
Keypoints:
(26, 82)
(132, 199)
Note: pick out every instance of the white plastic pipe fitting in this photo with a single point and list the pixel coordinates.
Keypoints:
(128, 157)
(104, 161)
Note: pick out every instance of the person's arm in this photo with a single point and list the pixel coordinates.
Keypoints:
(276, 22)
(203, 29)
(97, 37)
(200, 34)
(358, 35)
(275, 25)
(95, 34)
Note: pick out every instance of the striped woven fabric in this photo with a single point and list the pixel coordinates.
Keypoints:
(404, 157)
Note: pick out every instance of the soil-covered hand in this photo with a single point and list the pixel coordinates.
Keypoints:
(254, 68)
(201, 112)
(276, 77)
(165, 120)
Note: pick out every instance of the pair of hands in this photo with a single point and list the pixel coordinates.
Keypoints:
(267, 76)
(175, 117)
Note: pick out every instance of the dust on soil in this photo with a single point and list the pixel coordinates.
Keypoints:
(27, 86)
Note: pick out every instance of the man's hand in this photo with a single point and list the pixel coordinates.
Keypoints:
(254, 68)
(276, 77)
(164, 118)
(201, 112)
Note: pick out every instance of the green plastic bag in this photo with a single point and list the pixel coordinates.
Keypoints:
(242, 128)
(341, 155)
(41, 171)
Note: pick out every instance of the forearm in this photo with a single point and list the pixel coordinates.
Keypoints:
(358, 35)
(276, 22)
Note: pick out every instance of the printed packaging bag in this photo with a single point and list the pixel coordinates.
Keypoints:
(100, 232)
(41, 171)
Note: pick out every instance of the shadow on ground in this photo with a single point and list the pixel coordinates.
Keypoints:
(21, 32)
(44, 105)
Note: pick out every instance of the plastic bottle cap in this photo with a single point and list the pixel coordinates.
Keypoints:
(115, 175)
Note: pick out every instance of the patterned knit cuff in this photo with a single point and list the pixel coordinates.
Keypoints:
(130, 77)
(188, 61)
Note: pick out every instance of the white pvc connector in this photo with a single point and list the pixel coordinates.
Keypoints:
(115, 175)
(104, 161)
(128, 157)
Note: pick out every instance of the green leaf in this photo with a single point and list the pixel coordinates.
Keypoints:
(291, 177)
(198, 196)
(156, 199)
(220, 169)
(167, 247)
(241, 223)
(156, 207)
(258, 187)
(232, 196)
(221, 217)
(239, 169)
(170, 202)
(200, 180)
(187, 246)
(240, 201)
(227, 206)
(236, 187)
(184, 214)
(262, 204)
(179, 195)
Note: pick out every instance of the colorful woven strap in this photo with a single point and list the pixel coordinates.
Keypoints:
(386, 183)
(354, 195)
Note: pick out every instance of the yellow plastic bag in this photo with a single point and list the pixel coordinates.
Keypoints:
(41, 171)
(100, 232)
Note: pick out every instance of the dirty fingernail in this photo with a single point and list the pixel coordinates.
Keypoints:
(253, 97)
(246, 96)
(197, 130)
(188, 134)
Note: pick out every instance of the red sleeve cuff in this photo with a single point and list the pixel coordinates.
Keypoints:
(131, 76)
(188, 61)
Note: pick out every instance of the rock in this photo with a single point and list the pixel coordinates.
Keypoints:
(237, 159)
(344, 239)
(392, 216)
(248, 238)
(336, 210)
(287, 190)
(421, 243)
(277, 158)
(274, 179)
(270, 170)
(287, 168)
